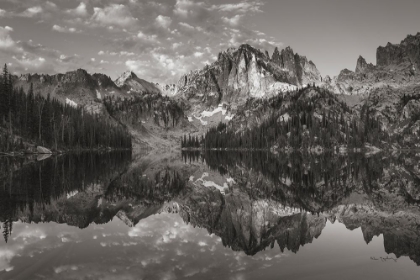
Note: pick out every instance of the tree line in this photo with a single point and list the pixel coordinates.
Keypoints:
(31, 117)
(164, 111)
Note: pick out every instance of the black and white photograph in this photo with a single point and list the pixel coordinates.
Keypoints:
(209, 139)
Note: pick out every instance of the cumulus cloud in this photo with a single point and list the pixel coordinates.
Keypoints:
(151, 38)
(163, 21)
(79, 11)
(114, 14)
(33, 11)
(65, 29)
(243, 7)
(6, 41)
(233, 21)
(2, 13)
(67, 59)
(186, 25)
(32, 64)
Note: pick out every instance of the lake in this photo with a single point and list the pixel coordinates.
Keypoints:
(210, 215)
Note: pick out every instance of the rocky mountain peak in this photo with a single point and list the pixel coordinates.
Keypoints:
(78, 77)
(362, 65)
(407, 52)
(120, 81)
(133, 84)
(301, 70)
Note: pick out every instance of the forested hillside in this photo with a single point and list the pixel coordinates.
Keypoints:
(28, 119)
(306, 118)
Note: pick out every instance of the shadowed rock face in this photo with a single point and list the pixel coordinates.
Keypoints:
(250, 225)
(300, 69)
(247, 72)
(397, 66)
(408, 51)
(362, 65)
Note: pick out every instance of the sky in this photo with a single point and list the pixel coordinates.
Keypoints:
(163, 39)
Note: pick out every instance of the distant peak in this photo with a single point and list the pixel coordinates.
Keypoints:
(120, 81)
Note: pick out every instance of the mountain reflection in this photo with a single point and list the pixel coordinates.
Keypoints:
(252, 201)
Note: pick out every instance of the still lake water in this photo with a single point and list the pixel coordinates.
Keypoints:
(218, 215)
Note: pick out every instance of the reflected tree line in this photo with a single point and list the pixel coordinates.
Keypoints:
(314, 183)
(147, 190)
(25, 185)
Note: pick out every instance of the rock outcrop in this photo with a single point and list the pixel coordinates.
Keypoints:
(362, 65)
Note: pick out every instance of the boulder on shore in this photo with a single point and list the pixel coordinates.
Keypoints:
(42, 150)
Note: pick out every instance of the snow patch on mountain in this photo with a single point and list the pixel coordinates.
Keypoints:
(71, 103)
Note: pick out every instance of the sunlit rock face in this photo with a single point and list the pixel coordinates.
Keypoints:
(133, 84)
(247, 72)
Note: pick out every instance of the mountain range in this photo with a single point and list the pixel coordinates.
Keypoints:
(220, 90)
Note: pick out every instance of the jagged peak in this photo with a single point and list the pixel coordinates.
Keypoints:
(124, 77)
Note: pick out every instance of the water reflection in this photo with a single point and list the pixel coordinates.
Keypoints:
(214, 209)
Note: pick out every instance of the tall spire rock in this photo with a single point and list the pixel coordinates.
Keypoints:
(362, 65)
(300, 69)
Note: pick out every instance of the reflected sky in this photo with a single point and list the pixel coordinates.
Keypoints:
(164, 247)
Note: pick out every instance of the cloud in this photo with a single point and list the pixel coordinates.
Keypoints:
(114, 14)
(65, 29)
(190, 9)
(151, 38)
(79, 11)
(33, 64)
(6, 41)
(32, 12)
(163, 21)
(243, 7)
(124, 53)
(67, 59)
(233, 21)
(198, 54)
(2, 13)
(186, 25)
